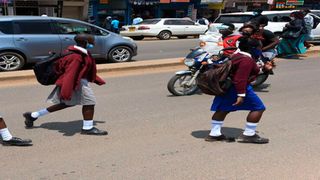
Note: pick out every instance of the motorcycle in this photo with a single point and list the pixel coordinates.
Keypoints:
(266, 68)
(184, 82)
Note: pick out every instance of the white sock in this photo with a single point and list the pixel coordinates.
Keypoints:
(250, 129)
(87, 124)
(216, 128)
(39, 113)
(5, 134)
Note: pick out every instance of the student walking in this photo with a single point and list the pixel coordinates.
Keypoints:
(115, 25)
(72, 87)
(8, 139)
(240, 96)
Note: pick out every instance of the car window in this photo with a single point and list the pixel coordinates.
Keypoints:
(186, 22)
(233, 19)
(150, 21)
(316, 13)
(6, 27)
(168, 22)
(73, 28)
(77, 28)
(174, 22)
(33, 27)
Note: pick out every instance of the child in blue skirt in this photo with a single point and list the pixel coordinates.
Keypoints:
(240, 97)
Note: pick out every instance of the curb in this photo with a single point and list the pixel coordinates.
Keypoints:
(28, 75)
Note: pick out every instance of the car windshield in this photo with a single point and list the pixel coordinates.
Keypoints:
(150, 21)
(233, 19)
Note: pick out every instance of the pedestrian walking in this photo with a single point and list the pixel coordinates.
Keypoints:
(107, 23)
(293, 36)
(309, 22)
(72, 87)
(115, 25)
(203, 21)
(240, 96)
(137, 20)
(8, 139)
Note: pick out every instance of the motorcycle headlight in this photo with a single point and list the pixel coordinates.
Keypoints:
(189, 62)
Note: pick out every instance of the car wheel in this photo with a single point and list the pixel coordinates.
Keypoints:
(120, 54)
(182, 37)
(164, 35)
(137, 37)
(11, 61)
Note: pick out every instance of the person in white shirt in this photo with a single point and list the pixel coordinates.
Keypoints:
(137, 20)
(309, 21)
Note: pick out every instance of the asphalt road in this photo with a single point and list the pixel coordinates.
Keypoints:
(151, 49)
(154, 135)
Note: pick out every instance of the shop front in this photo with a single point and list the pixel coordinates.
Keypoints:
(32, 8)
(117, 9)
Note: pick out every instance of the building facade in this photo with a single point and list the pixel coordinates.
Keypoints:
(77, 9)
(126, 10)
(250, 5)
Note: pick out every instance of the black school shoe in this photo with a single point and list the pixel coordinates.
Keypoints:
(15, 141)
(94, 131)
(255, 139)
(219, 138)
(29, 119)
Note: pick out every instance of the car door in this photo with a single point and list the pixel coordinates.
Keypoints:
(174, 26)
(68, 29)
(192, 28)
(36, 38)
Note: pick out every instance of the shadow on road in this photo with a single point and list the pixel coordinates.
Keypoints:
(262, 88)
(69, 128)
(228, 131)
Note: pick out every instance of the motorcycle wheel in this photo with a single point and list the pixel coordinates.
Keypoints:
(177, 85)
(261, 78)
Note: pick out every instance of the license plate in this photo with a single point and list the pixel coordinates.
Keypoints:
(132, 28)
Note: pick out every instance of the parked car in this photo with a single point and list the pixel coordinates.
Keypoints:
(163, 28)
(277, 20)
(29, 39)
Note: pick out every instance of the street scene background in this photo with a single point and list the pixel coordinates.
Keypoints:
(153, 134)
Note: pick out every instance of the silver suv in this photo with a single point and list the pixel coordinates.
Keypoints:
(29, 39)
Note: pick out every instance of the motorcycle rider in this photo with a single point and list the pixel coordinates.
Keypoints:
(229, 37)
(239, 97)
(268, 40)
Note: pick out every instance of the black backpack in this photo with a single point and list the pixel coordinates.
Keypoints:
(316, 21)
(214, 80)
(45, 70)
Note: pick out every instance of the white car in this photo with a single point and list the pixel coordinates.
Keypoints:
(164, 28)
(277, 20)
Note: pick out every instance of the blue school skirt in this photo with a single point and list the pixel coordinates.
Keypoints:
(224, 103)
